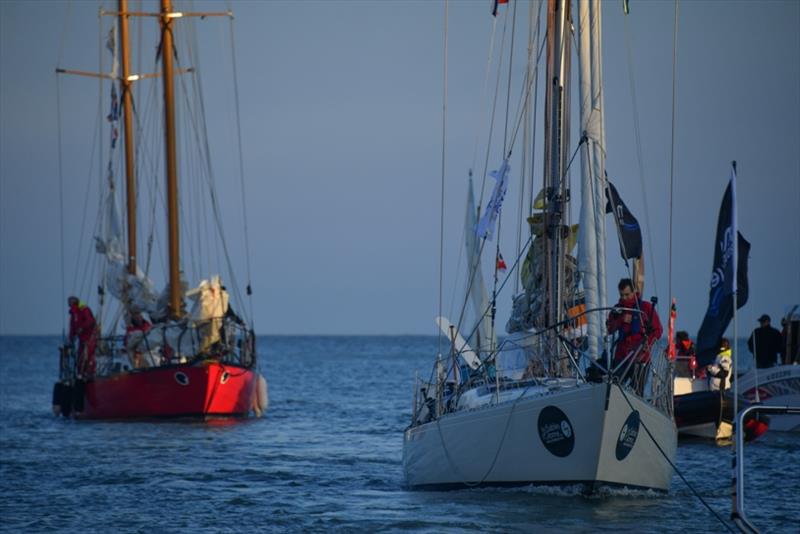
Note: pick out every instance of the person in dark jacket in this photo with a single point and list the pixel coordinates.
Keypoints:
(685, 363)
(766, 344)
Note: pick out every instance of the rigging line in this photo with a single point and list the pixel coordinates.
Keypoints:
(484, 91)
(489, 143)
(141, 148)
(475, 146)
(531, 75)
(63, 34)
(241, 163)
(473, 272)
(638, 138)
(516, 262)
(494, 287)
(494, 109)
(444, 147)
(535, 109)
(202, 129)
(200, 119)
(461, 249)
(101, 170)
(201, 200)
(60, 202)
(653, 439)
(508, 88)
(521, 203)
(672, 146)
(212, 191)
(86, 196)
(531, 83)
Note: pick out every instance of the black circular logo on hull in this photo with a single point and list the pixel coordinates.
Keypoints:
(627, 436)
(555, 431)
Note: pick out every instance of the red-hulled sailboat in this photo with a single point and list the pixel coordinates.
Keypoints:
(194, 357)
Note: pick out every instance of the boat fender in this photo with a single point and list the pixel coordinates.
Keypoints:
(62, 399)
(755, 427)
(78, 390)
(261, 400)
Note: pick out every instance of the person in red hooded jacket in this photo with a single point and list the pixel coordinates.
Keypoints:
(634, 329)
(83, 326)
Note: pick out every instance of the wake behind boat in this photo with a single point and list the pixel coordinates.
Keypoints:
(549, 405)
(185, 352)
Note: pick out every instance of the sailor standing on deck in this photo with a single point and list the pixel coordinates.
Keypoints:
(721, 368)
(83, 326)
(766, 343)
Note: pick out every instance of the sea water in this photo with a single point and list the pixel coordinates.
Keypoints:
(325, 457)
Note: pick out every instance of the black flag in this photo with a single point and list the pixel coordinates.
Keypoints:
(724, 283)
(630, 234)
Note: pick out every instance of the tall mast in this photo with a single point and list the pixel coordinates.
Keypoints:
(127, 116)
(175, 296)
(556, 144)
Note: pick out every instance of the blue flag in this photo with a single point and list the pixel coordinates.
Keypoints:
(628, 229)
(728, 277)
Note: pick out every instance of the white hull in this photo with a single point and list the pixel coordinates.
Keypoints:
(777, 386)
(504, 444)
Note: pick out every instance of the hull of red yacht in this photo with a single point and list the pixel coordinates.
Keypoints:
(205, 389)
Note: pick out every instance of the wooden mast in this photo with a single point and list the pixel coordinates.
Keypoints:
(175, 296)
(127, 116)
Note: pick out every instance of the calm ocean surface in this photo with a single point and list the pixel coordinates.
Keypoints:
(326, 457)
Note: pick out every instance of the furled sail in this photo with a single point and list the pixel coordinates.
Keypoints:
(591, 255)
(476, 287)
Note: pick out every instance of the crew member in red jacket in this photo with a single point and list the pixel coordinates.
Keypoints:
(83, 326)
(135, 345)
(634, 329)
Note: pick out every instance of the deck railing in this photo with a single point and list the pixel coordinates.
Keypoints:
(557, 352)
(222, 339)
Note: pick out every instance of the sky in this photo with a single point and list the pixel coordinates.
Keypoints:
(342, 119)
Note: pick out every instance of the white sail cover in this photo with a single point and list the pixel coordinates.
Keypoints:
(201, 329)
(209, 308)
(591, 255)
(476, 287)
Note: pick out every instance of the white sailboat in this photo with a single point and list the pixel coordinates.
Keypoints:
(557, 420)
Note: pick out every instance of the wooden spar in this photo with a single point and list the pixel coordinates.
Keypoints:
(175, 296)
(127, 115)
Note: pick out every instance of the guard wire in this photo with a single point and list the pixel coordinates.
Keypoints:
(241, 163)
(444, 151)
(719, 518)
(672, 146)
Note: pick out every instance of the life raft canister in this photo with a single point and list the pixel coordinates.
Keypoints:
(62, 399)
(261, 398)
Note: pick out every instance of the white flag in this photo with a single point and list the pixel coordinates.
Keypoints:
(487, 222)
(111, 45)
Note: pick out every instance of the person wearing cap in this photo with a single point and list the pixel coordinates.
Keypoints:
(766, 344)
(721, 368)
